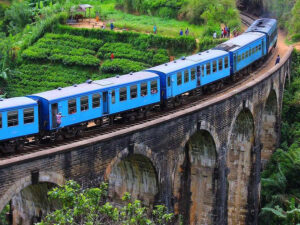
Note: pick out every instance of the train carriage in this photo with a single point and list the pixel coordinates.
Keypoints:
(95, 99)
(18, 119)
(186, 74)
(266, 26)
(245, 49)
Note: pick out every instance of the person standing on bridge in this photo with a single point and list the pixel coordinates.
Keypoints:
(277, 60)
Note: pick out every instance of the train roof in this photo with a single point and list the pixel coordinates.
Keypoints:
(188, 61)
(17, 102)
(239, 41)
(264, 25)
(91, 86)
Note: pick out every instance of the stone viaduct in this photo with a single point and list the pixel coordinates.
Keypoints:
(203, 162)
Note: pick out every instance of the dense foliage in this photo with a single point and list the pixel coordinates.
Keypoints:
(280, 195)
(90, 207)
(36, 77)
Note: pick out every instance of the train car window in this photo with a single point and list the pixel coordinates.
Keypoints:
(243, 56)
(256, 48)
(0, 120)
(214, 66)
(186, 76)
(72, 106)
(154, 87)
(133, 91)
(193, 74)
(253, 51)
(259, 47)
(144, 91)
(84, 103)
(28, 115)
(96, 100)
(123, 94)
(12, 119)
(250, 52)
(169, 81)
(239, 58)
(220, 64)
(199, 72)
(246, 55)
(202, 70)
(226, 62)
(207, 68)
(113, 96)
(179, 78)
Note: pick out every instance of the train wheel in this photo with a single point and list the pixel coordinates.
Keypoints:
(20, 146)
(9, 147)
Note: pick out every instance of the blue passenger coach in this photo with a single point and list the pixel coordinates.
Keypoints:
(245, 49)
(266, 26)
(186, 74)
(94, 99)
(130, 91)
(18, 117)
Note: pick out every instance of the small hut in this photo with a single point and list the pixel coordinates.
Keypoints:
(83, 8)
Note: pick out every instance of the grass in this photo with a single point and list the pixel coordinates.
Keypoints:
(140, 23)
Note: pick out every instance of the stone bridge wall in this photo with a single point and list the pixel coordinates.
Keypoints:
(203, 162)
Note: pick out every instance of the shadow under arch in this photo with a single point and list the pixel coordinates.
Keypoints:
(239, 162)
(135, 174)
(195, 184)
(28, 201)
(269, 132)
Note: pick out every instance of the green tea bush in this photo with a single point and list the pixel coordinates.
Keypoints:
(53, 47)
(160, 59)
(138, 40)
(122, 66)
(208, 42)
(32, 78)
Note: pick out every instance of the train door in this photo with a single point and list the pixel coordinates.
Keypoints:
(105, 102)
(198, 76)
(263, 47)
(169, 86)
(54, 113)
(234, 61)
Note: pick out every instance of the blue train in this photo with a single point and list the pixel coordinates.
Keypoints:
(129, 95)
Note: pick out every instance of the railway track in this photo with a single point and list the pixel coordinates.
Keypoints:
(155, 114)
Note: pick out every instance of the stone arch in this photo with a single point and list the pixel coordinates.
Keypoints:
(134, 173)
(195, 186)
(269, 132)
(239, 162)
(30, 200)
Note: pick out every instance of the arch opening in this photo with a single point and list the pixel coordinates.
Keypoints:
(269, 133)
(30, 205)
(197, 191)
(239, 162)
(134, 174)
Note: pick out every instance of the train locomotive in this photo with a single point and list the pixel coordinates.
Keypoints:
(34, 117)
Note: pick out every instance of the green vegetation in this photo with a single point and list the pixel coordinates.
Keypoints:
(90, 207)
(280, 195)
(37, 77)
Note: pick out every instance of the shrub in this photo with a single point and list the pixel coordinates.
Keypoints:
(208, 42)
(160, 59)
(122, 66)
(296, 37)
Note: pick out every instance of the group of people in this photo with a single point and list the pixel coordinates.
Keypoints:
(225, 32)
(111, 26)
(186, 32)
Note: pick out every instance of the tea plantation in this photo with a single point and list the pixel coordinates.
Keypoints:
(72, 55)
